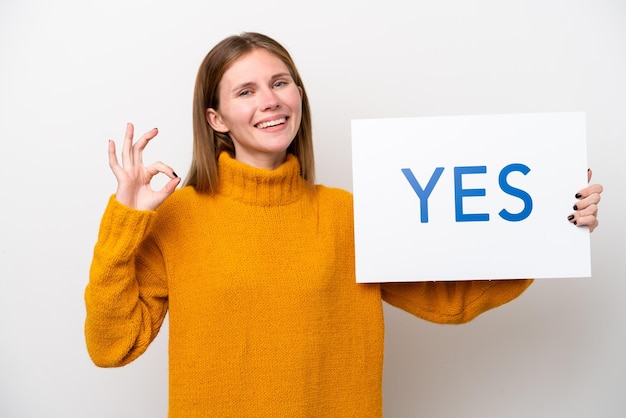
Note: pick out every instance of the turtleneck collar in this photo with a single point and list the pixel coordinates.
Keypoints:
(258, 186)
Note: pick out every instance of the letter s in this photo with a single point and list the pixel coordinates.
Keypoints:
(508, 189)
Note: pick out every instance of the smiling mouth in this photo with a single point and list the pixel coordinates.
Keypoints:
(270, 123)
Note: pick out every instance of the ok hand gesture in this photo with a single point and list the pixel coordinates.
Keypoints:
(133, 178)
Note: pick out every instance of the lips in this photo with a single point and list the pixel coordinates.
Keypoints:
(270, 123)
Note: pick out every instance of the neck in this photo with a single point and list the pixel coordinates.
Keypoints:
(260, 186)
(265, 160)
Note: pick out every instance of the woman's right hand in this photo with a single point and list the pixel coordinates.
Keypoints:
(133, 178)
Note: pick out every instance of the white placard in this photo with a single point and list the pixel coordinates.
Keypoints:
(469, 197)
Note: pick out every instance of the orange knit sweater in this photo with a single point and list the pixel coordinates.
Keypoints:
(266, 318)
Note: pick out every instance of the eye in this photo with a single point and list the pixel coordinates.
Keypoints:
(279, 84)
(244, 93)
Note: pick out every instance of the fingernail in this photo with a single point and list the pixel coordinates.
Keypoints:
(575, 207)
(174, 173)
(588, 169)
(569, 218)
(578, 196)
(575, 223)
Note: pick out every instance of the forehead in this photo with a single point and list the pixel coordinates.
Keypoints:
(254, 65)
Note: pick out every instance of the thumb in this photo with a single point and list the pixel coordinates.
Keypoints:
(167, 190)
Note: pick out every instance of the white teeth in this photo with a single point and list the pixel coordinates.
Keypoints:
(267, 124)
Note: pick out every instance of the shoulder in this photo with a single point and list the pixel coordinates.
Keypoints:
(335, 212)
(335, 202)
(333, 195)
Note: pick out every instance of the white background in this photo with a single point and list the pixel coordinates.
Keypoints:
(73, 73)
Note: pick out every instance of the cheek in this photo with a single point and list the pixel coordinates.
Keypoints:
(234, 117)
(299, 113)
(298, 116)
(296, 105)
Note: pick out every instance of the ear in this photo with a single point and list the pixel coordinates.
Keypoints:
(215, 120)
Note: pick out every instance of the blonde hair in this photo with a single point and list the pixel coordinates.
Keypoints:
(208, 143)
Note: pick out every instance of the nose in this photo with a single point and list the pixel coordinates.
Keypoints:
(269, 100)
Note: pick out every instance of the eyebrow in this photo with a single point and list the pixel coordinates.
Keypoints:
(251, 83)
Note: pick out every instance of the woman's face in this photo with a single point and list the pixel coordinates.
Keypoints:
(260, 108)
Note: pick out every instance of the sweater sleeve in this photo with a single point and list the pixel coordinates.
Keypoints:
(452, 302)
(126, 297)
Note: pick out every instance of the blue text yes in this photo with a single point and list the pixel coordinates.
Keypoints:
(459, 192)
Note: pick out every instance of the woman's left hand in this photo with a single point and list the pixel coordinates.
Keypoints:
(586, 208)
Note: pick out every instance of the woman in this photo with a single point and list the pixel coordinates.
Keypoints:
(253, 261)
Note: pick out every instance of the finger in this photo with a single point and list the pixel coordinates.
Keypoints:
(118, 170)
(112, 154)
(168, 189)
(589, 173)
(592, 199)
(591, 210)
(128, 145)
(141, 143)
(589, 190)
(585, 217)
(589, 221)
(160, 167)
(113, 162)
